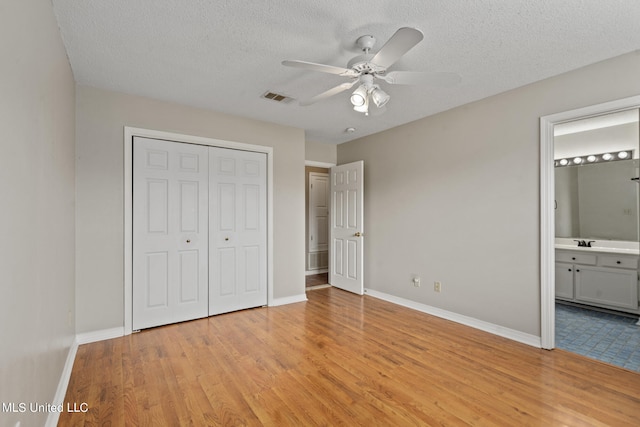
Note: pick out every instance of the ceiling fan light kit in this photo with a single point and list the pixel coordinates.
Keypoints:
(360, 97)
(364, 69)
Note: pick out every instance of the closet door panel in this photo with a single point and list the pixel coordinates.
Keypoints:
(237, 194)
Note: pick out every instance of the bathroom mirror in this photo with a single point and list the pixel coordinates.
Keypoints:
(599, 200)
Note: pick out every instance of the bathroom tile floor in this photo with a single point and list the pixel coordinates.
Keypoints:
(603, 336)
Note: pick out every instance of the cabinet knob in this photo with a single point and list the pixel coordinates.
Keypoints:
(577, 271)
(569, 269)
(573, 258)
(617, 262)
(188, 241)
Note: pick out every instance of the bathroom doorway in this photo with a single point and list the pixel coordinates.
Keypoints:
(596, 202)
(590, 157)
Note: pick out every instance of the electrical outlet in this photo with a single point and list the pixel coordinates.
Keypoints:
(416, 281)
(437, 286)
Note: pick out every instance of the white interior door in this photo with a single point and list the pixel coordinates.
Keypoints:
(238, 230)
(347, 227)
(170, 227)
(318, 212)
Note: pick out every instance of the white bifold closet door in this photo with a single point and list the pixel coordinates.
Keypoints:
(238, 230)
(170, 232)
(199, 231)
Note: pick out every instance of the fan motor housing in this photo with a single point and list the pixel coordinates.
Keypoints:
(362, 65)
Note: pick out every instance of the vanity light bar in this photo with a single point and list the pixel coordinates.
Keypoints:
(594, 158)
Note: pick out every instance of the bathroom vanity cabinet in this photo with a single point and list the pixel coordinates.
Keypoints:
(607, 280)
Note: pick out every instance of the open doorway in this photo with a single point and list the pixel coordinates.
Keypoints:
(602, 274)
(317, 224)
(596, 202)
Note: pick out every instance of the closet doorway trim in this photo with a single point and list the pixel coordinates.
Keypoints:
(129, 133)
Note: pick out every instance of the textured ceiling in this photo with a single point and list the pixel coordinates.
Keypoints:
(223, 55)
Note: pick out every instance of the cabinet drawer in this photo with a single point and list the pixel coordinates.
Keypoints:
(572, 257)
(620, 262)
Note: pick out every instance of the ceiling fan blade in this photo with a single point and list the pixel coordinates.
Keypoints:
(320, 67)
(399, 44)
(328, 93)
(421, 78)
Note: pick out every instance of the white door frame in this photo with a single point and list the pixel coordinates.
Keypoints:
(547, 215)
(129, 133)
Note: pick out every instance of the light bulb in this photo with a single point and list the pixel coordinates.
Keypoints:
(364, 108)
(577, 160)
(623, 155)
(591, 158)
(607, 156)
(564, 162)
(359, 96)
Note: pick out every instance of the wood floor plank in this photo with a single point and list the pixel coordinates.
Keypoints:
(341, 359)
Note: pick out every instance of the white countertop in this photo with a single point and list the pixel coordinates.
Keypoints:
(603, 246)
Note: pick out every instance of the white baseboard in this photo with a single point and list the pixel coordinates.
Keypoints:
(101, 335)
(511, 334)
(63, 384)
(288, 300)
(61, 391)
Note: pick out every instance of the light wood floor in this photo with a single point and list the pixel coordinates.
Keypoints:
(341, 359)
(317, 280)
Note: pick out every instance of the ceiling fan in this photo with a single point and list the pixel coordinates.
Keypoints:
(367, 68)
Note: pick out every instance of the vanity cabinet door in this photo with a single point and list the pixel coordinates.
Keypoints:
(609, 286)
(564, 280)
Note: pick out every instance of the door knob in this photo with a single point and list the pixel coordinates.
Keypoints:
(358, 234)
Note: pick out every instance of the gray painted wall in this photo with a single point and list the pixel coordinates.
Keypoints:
(319, 152)
(101, 117)
(455, 197)
(37, 185)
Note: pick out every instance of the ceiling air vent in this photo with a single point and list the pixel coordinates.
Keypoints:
(277, 97)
